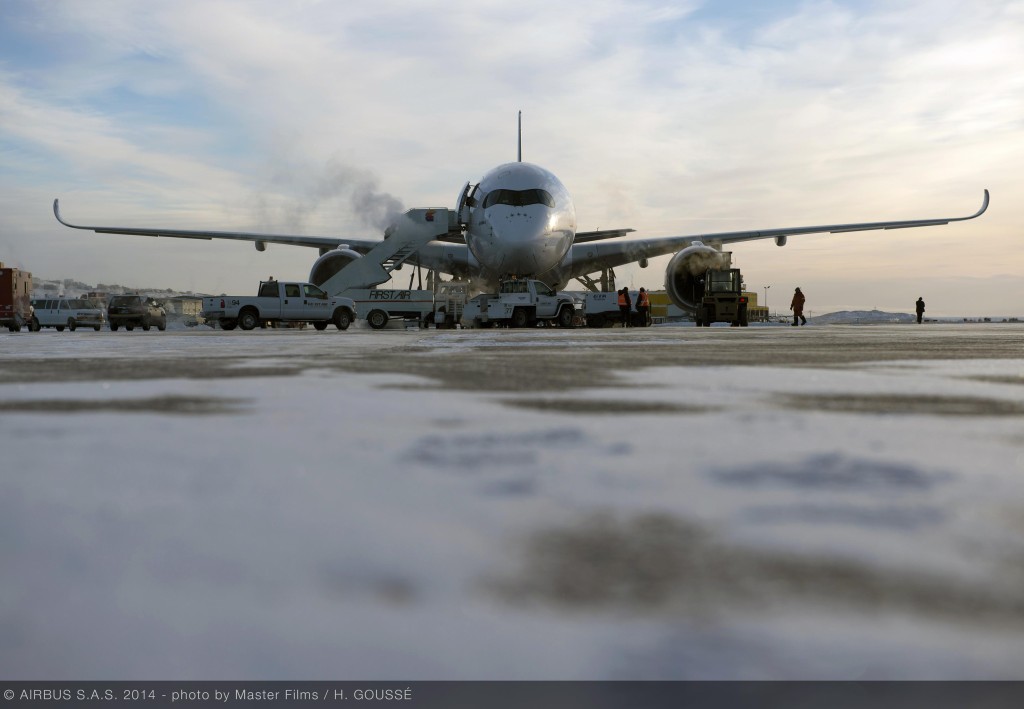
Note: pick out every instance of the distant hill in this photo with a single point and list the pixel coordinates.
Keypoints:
(863, 317)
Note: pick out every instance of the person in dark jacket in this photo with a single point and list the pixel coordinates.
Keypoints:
(920, 310)
(797, 306)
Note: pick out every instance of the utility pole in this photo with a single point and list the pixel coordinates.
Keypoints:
(766, 314)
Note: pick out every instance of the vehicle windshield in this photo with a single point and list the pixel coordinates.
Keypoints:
(79, 304)
(514, 287)
(124, 300)
(723, 281)
(519, 198)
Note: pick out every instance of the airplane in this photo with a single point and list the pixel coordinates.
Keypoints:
(519, 220)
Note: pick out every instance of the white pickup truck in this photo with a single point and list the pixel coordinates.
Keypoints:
(522, 303)
(280, 301)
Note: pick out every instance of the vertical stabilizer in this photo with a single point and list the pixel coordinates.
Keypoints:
(520, 135)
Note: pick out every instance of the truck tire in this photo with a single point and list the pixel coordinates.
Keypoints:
(227, 324)
(709, 315)
(744, 322)
(565, 316)
(519, 318)
(248, 319)
(72, 324)
(162, 325)
(378, 319)
(33, 325)
(320, 325)
(114, 326)
(342, 318)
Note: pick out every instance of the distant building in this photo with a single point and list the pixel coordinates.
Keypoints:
(755, 312)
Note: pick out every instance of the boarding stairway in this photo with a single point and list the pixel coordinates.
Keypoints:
(396, 260)
(409, 234)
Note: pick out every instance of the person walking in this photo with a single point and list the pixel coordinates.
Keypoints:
(624, 306)
(797, 306)
(643, 308)
(920, 310)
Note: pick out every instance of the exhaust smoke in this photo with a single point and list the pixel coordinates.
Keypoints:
(303, 193)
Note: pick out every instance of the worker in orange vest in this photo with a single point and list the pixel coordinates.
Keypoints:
(643, 308)
(624, 306)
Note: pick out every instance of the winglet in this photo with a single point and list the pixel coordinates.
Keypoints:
(984, 206)
(56, 213)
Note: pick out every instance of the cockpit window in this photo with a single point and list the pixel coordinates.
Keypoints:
(519, 198)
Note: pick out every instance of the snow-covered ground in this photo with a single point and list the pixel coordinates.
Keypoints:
(650, 504)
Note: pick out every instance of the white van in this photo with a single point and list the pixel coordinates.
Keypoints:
(66, 312)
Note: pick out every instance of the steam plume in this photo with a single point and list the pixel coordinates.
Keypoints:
(357, 188)
(702, 260)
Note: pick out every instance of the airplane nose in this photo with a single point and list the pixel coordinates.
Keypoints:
(523, 238)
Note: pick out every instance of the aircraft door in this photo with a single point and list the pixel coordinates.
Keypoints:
(466, 202)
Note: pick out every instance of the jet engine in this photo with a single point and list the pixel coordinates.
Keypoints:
(684, 275)
(330, 262)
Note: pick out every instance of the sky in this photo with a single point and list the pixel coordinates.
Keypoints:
(668, 118)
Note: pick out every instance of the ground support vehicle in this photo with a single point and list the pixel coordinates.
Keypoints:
(135, 310)
(602, 310)
(71, 313)
(449, 302)
(281, 302)
(723, 299)
(15, 298)
(523, 303)
(379, 305)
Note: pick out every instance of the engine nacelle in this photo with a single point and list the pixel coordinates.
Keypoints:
(683, 277)
(330, 263)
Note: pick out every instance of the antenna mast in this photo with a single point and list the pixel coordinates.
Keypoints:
(520, 136)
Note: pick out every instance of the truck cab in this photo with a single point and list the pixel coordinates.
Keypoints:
(529, 293)
(522, 302)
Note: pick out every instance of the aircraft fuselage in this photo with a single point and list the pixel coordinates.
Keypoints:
(522, 222)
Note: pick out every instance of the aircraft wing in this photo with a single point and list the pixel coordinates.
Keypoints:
(583, 237)
(261, 240)
(588, 257)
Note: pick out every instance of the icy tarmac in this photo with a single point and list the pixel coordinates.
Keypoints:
(833, 502)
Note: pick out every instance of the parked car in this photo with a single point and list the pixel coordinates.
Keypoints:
(65, 312)
(132, 310)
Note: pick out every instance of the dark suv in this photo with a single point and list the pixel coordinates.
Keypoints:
(132, 310)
